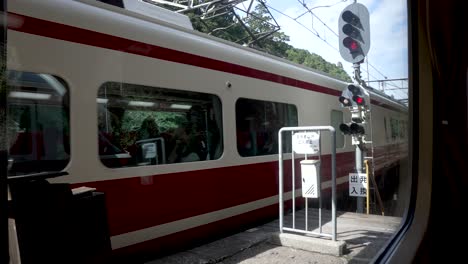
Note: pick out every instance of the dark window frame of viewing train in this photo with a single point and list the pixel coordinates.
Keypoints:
(38, 123)
(258, 123)
(142, 125)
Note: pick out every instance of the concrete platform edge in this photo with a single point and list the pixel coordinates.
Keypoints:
(308, 243)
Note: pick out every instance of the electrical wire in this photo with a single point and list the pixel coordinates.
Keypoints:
(302, 25)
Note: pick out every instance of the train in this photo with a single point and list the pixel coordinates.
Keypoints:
(179, 129)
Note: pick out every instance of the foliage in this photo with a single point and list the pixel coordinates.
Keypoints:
(133, 119)
(165, 120)
(229, 28)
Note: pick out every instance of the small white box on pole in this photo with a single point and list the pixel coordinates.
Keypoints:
(310, 181)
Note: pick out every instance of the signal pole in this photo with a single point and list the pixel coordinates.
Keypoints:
(354, 43)
(359, 161)
(359, 151)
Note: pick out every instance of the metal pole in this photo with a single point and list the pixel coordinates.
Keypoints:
(306, 214)
(359, 200)
(333, 167)
(280, 191)
(293, 176)
(4, 250)
(320, 181)
(306, 207)
(366, 162)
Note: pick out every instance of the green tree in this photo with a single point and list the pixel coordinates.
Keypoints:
(269, 39)
(259, 22)
(314, 61)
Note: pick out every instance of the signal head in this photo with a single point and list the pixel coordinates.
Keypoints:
(359, 100)
(356, 129)
(352, 129)
(358, 94)
(354, 35)
(345, 129)
(351, 18)
(355, 90)
(345, 101)
(352, 32)
(353, 46)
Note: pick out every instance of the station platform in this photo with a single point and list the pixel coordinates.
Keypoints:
(363, 235)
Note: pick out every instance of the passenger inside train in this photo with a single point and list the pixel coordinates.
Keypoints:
(157, 126)
(185, 146)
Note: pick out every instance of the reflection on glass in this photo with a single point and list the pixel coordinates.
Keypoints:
(37, 123)
(141, 125)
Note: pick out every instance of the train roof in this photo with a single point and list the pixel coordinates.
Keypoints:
(177, 19)
(168, 32)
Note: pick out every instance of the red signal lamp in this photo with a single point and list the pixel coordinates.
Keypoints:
(359, 100)
(353, 46)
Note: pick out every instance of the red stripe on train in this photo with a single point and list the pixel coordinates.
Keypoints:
(55, 30)
(135, 203)
(73, 34)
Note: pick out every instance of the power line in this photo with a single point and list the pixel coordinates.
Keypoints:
(315, 32)
(312, 13)
(377, 70)
(308, 29)
(390, 80)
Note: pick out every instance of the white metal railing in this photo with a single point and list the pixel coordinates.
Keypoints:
(281, 185)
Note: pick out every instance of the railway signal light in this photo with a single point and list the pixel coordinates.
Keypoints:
(354, 96)
(354, 33)
(345, 129)
(345, 101)
(352, 129)
(357, 100)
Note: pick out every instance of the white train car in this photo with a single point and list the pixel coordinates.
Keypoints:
(177, 128)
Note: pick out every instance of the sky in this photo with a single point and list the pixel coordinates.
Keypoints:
(388, 54)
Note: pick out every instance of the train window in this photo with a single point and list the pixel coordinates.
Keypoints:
(387, 138)
(336, 121)
(394, 128)
(258, 123)
(402, 129)
(37, 122)
(141, 125)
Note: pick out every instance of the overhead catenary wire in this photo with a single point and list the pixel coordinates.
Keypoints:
(309, 10)
(315, 33)
(304, 26)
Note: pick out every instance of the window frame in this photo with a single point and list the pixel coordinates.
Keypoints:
(274, 149)
(39, 128)
(214, 110)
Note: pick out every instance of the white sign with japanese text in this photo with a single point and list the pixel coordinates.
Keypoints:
(358, 184)
(306, 142)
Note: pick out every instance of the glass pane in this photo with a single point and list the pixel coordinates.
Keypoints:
(142, 125)
(258, 123)
(38, 123)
